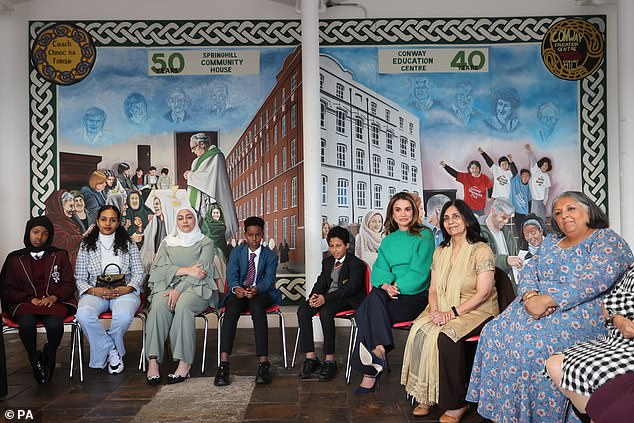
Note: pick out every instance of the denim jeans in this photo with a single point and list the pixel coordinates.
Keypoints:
(102, 341)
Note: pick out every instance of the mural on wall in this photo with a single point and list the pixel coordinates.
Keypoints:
(428, 106)
(393, 107)
(140, 119)
(156, 126)
(516, 109)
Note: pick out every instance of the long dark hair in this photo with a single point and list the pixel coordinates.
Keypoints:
(473, 227)
(390, 225)
(121, 237)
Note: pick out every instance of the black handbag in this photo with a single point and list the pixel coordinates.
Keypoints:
(111, 281)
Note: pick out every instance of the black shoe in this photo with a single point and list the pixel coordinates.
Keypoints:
(49, 359)
(40, 371)
(310, 366)
(172, 379)
(265, 373)
(328, 371)
(153, 380)
(222, 375)
(362, 391)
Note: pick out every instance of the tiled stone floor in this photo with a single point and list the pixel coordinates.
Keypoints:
(105, 398)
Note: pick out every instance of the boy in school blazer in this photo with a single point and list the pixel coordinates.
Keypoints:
(339, 287)
(251, 286)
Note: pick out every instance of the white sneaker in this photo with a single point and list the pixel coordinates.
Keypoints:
(115, 364)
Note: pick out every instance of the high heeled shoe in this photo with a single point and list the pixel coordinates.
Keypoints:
(371, 360)
(362, 390)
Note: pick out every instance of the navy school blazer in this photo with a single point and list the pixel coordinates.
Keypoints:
(264, 276)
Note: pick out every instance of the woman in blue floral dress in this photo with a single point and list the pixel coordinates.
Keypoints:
(558, 304)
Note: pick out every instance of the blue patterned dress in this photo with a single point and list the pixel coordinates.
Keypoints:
(508, 381)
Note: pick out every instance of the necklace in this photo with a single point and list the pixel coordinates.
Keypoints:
(104, 246)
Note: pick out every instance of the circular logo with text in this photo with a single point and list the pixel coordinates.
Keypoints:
(573, 49)
(63, 54)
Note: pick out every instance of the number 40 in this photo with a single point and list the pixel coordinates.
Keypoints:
(474, 61)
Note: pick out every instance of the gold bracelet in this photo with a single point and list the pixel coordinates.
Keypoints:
(530, 295)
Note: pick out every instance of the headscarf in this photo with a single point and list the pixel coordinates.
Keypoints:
(215, 229)
(36, 221)
(68, 232)
(108, 174)
(142, 212)
(39, 221)
(533, 219)
(368, 240)
(168, 204)
(179, 238)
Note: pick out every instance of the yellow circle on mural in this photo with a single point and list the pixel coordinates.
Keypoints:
(573, 49)
(63, 54)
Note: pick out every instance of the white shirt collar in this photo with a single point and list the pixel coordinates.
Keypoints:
(37, 255)
(257, 252)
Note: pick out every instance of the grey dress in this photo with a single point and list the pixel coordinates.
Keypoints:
(196, 295)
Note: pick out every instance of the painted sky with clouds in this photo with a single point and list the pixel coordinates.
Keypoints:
(119, 72)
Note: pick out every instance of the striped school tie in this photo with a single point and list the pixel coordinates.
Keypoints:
(250, 271)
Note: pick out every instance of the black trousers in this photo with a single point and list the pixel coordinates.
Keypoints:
(453, 374)
(327, 313)
(257, 305)
(54, 326)
(375, 317)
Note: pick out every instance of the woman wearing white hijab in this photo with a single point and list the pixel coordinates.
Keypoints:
(181, 285)
(162, 225)
(368, 240)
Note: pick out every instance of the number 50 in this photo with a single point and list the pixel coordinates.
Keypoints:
(175, 62)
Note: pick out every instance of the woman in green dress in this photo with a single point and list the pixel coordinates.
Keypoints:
(182, 285)
(400, 277)
(213, 226)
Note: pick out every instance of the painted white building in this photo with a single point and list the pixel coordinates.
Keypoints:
(369, 147)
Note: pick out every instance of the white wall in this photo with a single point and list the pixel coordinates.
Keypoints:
(14, 135)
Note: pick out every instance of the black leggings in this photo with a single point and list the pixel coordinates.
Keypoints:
(28, 334)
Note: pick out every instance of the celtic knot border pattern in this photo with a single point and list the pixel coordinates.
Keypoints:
(592, 106)
(434, 31)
